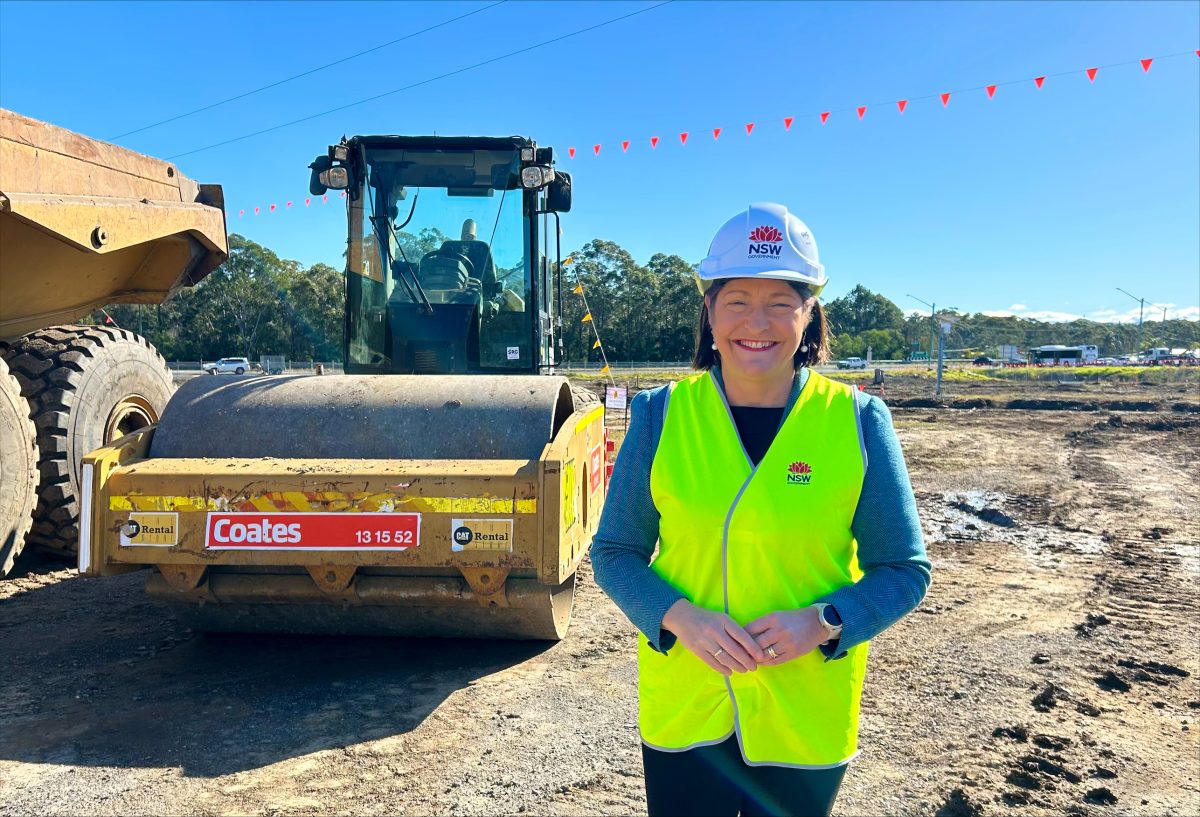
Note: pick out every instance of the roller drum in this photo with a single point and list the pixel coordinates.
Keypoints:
(417, 417)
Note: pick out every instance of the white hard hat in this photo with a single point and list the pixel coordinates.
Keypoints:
(765, 241)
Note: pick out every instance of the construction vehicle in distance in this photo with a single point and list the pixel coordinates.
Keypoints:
(83, 224)
(446, 485)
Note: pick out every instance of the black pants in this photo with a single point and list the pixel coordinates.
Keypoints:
(714, 780)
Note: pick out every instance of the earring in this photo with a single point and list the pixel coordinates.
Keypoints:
(714, 346)
(803, 347)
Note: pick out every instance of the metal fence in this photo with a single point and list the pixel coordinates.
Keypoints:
(289, 366)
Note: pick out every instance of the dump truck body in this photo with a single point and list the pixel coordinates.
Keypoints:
(82, 224)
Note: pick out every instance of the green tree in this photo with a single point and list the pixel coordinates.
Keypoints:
(860, 310)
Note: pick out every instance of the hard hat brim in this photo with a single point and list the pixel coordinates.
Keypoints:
(813, 285)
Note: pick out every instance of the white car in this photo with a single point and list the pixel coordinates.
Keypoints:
(228, 365)
(852, 363)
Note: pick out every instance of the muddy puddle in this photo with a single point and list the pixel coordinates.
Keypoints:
(992, 516)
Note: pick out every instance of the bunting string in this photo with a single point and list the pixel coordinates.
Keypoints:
(590, 321)
(823, 117)
(902, 104)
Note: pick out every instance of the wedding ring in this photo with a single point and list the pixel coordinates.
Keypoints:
(771, 652)
(718, 652)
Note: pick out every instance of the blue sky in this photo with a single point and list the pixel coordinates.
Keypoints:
(1037, 202)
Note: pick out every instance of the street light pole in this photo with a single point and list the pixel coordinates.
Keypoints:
(1141, 310)
(932, 325)
(947, 321)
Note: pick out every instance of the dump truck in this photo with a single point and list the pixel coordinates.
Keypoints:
(447, 484)
(83, 224)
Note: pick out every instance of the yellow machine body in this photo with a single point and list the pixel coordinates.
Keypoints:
(533, 521)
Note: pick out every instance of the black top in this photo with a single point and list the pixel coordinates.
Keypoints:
(757, 427)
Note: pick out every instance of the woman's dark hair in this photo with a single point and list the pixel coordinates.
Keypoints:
(816, 334)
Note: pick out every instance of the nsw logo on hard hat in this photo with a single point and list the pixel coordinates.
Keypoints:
(799, 473)
(765, 242)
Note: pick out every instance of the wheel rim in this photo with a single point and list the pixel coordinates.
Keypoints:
(127, 416)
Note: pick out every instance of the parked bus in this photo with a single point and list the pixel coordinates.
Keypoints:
(1055, 355)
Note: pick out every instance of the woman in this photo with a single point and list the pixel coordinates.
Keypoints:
(787, 538)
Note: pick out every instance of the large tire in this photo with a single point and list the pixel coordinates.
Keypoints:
(86, 386)
(18, 469)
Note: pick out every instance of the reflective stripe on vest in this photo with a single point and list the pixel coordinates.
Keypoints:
(751, 541)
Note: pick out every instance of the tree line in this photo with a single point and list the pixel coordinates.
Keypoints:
(257, 303)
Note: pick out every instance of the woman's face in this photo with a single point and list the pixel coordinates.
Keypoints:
(758, 324)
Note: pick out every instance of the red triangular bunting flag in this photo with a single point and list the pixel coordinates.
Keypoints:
(256, 211)
(1038, 81)
(902, 104)
(108, 319)
(716, 133)
(306, 201)
(787, 123)
(991, 89)
(1091, 72)
(289, 204)
(862, 110)
(749, 127)
(596, 149)
(824, 117)
(653, 142)
(325, 198)
(571, 152)
(683, 138)
(343, 194)
(272, 208)
(945, 99)
(241, 212)
(1146, 65)
(625, 146)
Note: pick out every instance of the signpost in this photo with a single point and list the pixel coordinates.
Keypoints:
(947, 323)
(614, 398)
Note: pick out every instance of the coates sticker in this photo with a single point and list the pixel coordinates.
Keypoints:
(799, 473)
(765, 242)
(481, 534)
(312, 531)
(150, 530)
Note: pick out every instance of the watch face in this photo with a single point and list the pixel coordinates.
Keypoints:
(827, 617)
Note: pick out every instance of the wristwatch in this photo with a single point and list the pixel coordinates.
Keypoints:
(830, 620)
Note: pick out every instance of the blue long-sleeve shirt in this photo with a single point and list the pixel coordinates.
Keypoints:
(891, 550)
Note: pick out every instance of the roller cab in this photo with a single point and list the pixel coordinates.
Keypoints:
(392, 544)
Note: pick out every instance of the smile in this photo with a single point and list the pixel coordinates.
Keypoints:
(756, 345)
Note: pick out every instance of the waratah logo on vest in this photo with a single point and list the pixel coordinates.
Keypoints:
(765, 242)
(799, 473)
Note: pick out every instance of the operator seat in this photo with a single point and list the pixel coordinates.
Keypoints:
(480, 256)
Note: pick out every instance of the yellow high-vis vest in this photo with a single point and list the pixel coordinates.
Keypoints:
(749, 541)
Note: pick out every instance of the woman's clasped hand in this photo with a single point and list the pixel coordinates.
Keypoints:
(719, 641)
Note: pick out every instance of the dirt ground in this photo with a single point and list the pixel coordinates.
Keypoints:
(1052, 669)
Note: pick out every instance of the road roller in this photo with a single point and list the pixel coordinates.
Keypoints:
(446, 484)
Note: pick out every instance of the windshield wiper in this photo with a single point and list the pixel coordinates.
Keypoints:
(385, 250)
